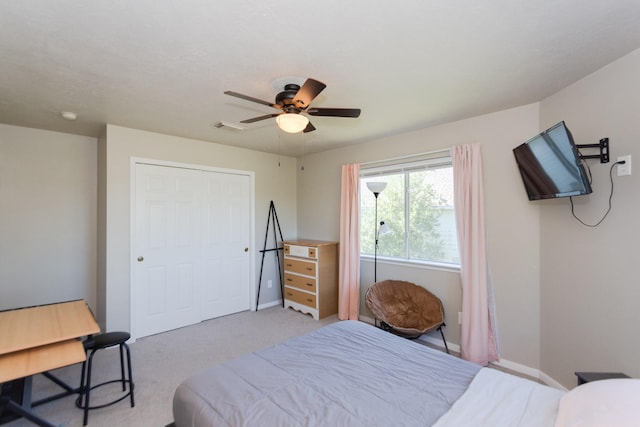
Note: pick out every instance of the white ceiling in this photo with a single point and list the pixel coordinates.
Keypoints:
(163, 65)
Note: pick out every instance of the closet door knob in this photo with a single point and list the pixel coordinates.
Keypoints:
(140, 259)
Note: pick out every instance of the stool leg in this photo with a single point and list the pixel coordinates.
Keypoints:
(81, 388)
(131, 385)
(122, 368)
(88, 389)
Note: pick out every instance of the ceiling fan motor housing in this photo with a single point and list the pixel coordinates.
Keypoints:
(285, 98)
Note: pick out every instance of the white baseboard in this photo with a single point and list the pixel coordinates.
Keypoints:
(530, 372)
(436, 341)
(517, 367)
(270, 304)
(366, 319)
(503, 363)
(550, 381)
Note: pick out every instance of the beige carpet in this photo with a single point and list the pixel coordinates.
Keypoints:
(162, 361)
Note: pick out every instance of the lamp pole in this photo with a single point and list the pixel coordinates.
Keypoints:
(375, 250)
(376, 188)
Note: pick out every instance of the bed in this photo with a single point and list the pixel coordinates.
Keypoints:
(352, 374)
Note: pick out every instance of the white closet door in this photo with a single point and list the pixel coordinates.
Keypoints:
(167, 253)
(226, 278)
(191, 258)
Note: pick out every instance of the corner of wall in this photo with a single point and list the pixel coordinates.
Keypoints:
(102, 229)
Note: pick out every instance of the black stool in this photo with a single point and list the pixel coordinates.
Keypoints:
(91, 346)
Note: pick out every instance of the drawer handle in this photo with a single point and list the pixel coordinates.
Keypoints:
(289, 294)
(309, 299)
(289, 265)
(309, 269)
(289, 279)
(310, 284)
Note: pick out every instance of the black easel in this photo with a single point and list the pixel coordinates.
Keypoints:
(272, 218)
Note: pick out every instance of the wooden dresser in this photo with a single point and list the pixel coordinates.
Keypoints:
(311, 277)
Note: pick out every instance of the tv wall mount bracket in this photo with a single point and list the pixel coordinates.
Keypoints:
(603, 145)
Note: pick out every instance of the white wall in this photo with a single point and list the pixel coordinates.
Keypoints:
(47, 217)
(275, 179)
(512, 222)
(590, 282)
(566, 294)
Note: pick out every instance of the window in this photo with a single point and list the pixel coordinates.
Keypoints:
(417, 205)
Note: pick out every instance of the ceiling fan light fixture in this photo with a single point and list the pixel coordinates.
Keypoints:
(292, 122)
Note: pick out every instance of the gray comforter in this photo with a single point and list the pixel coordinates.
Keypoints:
(346, 374)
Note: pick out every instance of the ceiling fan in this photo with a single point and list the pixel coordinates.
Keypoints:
(292, 101)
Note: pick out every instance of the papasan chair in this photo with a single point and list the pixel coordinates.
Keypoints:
(406, 309)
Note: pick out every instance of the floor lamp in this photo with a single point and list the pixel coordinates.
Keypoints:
(376, 188)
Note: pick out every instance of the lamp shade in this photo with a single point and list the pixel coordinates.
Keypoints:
(292, 122)
(384, 229)
(376, 187)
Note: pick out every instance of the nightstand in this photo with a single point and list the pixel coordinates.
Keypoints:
(587, 377)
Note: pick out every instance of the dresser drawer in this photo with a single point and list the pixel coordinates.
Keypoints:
(305, 283)
(300, 251)
(300, 267)
(300, 297)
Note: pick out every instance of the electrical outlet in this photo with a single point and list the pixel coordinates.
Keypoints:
(269, 283)
(625, 169)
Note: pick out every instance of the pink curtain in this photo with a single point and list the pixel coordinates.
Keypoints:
(477, 342)
(349, 273)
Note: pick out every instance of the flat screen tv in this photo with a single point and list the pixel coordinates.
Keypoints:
(550, 165)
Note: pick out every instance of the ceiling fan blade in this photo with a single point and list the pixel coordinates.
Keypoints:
(257, 119)
(309, 128)
(252, 99)
(334, 112)
(309, 90)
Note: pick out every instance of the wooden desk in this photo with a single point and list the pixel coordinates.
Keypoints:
(38, 339)
(23, 363)
(32, 327)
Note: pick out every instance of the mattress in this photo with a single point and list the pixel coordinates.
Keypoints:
(353, 374)
(348, 373)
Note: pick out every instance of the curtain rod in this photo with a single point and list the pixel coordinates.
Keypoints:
(409, 156)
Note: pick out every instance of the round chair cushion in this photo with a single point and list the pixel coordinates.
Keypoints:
(108, 339)
(410, 310)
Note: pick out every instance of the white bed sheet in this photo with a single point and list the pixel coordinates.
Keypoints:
(497, 399)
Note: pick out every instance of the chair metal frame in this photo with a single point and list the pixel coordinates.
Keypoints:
(83, 399)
